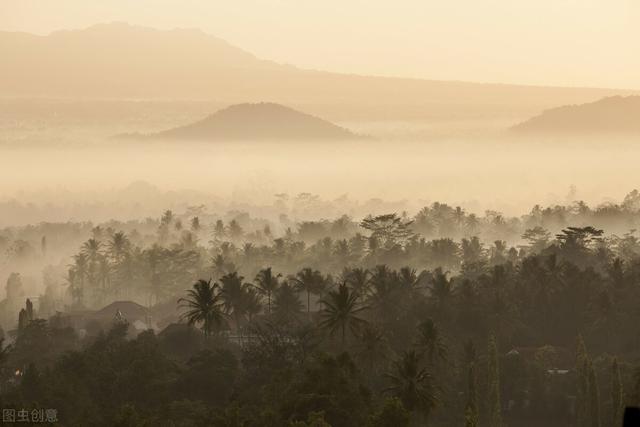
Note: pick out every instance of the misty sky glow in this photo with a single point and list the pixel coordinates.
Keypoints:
(550, 42)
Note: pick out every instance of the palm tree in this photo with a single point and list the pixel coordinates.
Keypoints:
(253, 303)
(286, 303)
(104, 275)
(430, 339)
(441, 292)
(387, 295)
(234, 296)
(408, 278)
(92, 250)
(342, 251)
(220, 266)
(380, 275)
(73, 287)
(340, 311)
(77, 274)
(267, 283)
(309, 281)
(203, 305)
(373, 347)
(358, 279)
(125, 271)
(155, 260)
(118, 246)
(413, 384)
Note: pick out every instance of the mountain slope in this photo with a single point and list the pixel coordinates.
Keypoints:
(118, 60)
(262, 121)
(616, 114)
(124, 61)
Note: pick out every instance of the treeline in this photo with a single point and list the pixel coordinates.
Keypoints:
(337, 323)
(542, 334)
(439, 220)
(111, 266)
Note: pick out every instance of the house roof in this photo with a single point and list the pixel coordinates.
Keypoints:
(129, 309)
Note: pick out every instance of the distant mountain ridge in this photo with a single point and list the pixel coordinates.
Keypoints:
(121, 61)
(255, 122)
(616, 114)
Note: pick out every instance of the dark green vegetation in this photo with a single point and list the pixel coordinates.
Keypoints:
(390, 321)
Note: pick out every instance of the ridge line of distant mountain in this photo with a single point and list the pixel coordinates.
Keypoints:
(254, 122)
(124, 61)
(612, 115)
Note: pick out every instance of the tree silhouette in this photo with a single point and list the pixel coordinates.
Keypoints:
(235, 297)
(582, 373)
(267, 283)
(413, 384)
(286, 304)
(493, 384)
(358, 279)
(310, 282)
(471, 416)
(340, 312)
(203, 305)
(118, 246)
(372, 348)
(594, 396)
(389, 230)
(617, 394)
(431, 342)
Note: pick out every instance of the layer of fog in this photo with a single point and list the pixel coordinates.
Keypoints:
(66, 181)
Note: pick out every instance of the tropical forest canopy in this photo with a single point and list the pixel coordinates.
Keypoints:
(442, 317)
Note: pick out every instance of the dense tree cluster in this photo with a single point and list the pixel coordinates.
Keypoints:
(377, 323)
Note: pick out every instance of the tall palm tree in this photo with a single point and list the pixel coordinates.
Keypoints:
(342, 251)
(286, 303)
(373, 348)
(413, 384)
(92, 250)
(155, 259)
(358, 279)
(80, 267)
(75, 288)
(441, 292)
(118, 246)
(253, 304)
(77, 274)
(203, 305)
(408, 278)
(220, 266)
(234, 296)
(309, 281)
(430, 339)
(104, 275)
(267, 283)
(380, 275)
(340, 312)
(387, 296)
(125, 271)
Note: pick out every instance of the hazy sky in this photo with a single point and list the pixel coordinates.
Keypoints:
(560, 42)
